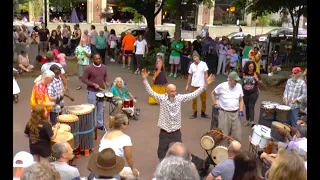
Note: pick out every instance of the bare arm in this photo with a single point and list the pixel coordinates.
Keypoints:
(147, 49)
(189, 79)
(55, 132)
(241, 104)
(128, 156)
(194, 94)
(213, 97)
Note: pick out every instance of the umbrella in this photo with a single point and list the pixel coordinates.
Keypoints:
(74, 16)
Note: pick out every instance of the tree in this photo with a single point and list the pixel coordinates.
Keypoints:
(137, 18)
(263, 21)
(62, 4)
(147, 8)
(175, 7)
(296, 9)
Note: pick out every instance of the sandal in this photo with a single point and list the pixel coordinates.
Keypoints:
(16, 98)
(79, 87)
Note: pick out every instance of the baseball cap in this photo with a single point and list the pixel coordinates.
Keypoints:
(25, 157)
(161, 54)
(234, 76)
(296, 70)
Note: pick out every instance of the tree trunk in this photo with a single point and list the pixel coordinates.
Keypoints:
(151, 27)
(178, 20)
(295, 27)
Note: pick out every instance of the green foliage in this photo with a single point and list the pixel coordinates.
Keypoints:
(275, 23)
(243, 23)
(65, 4)
(217, 23)
(136, 16)
(263, 20)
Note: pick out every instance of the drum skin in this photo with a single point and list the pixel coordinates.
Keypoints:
(275, 132)
(64, 136)
(64, 128)
(219, 154)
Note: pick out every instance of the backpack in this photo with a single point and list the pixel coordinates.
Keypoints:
(201, 165)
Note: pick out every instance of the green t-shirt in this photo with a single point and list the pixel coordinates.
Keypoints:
(101, 42)
(178, 45)
(119, 92)
(246, 51)
(84, 60)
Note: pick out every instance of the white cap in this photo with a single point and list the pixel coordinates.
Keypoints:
(25, 157)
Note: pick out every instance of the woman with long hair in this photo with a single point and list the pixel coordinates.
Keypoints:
(255, 56)
(186, 59)
(159, 80)
(40, 133)
(245, 167)
(54, 40)
(251, 80)
(112, 42)
(288, 165)
(118, 140)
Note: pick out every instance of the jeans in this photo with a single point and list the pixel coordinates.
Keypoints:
(250, 100)
(293, 117)
(222, 63)
(53, 117)
(92, 99)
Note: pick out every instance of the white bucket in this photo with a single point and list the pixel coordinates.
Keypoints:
(260, 136)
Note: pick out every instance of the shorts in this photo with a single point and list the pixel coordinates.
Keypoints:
(81, 69)
(43, 45)
(128, 53)
(174, 60)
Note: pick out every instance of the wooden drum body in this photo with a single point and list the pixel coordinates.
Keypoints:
(86, 125)
(267, 113)
(64, 128)
(73, 122)
(275, 131)
(282, 113)
(209, 139)
(64, 136)
(219, 154)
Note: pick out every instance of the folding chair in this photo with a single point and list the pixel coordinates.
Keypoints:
(113, 107)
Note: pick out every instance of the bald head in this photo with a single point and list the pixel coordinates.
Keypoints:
(171, 90)
(178, 149)
(234, 148)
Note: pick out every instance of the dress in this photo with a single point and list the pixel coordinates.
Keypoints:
(40, 96)
(42, 146)
(16, 89)
(159, 85)
(256, 59)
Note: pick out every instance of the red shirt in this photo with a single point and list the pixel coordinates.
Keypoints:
(44, 60)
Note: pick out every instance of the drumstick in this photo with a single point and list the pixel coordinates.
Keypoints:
(68, 96)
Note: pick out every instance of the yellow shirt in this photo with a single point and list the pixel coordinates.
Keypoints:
(256, 59)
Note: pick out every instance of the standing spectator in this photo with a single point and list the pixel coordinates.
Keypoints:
(222, 54)
(255, 56)
(101, 46)
(53, 40)
(44, 35)
(251, 80)
(106, 34)
(196, 45)
(186, 59)
(213, 56)
(140, 49)
(174, 60)
(93, 38)
(127, 48)
(85, 36)
(112, 42)
(83, 53)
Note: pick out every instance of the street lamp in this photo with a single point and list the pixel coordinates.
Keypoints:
(45, 12)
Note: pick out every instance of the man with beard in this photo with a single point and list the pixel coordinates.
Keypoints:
(96, 78)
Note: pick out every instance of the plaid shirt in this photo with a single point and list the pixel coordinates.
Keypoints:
(55, 89)
(295, 89)
(170, 110)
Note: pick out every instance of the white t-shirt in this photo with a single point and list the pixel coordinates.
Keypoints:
(93, 36)
(229, 99)
(197, 72)
(116, 144)
(140, 47)
(46, 66)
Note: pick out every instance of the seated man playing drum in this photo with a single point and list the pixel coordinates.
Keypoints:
(121, 93)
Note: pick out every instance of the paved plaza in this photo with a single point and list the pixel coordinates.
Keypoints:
(144, 133)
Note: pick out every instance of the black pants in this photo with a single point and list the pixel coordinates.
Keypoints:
(212, 62)
(139, 61)
(165, 139)
(102, 53)
(93, 48)
(250, 100)
(184, 65)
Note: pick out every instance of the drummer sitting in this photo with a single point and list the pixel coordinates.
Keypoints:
(120, 92)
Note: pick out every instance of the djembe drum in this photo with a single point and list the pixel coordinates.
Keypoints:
(209, 139)
(64, 136)
(64, 128)
(267, 113)
(86, 127)
(73, 122)
(93, 117)
(282, 113)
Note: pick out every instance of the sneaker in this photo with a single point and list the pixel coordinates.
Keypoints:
(136, 72)
(175, 75)
(128, 68)
(123, 66)
(112, 60)
(170, 75)
(138, 112)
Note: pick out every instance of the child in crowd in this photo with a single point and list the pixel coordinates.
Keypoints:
(60, 58)
(16, 89)
(229, 52)
(233, 60)
(41, 60)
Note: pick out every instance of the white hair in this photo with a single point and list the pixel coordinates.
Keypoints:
(120, 79)
(176, 168)
(46, 74)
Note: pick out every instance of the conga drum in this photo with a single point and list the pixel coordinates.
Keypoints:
(282, 113)
(86, 127)
(209, 139)
(64, 136)
(73, 122)
(276, 129)
(64, 128)
(93, 116)
(108, 96)
(267, 113)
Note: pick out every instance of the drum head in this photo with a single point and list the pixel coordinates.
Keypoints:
(63, 136)
(268, 106)
(283, 108)
(64, 128)
(89, 105)
(100, 95)
(219, 154)
(108, 94)
(127, 173)
(207, 142)
(280, 126)
(79, 110)
(67, 118)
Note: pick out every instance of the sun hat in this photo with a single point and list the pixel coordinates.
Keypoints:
(25, 157)
(105, 163)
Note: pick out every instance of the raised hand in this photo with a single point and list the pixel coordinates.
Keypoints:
(210, 79)
(144, 73)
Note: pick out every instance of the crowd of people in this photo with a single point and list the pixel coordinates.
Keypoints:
(232, 99)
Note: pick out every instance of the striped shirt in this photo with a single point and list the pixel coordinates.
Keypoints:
(295, 89)
(55, 89)
(170, 110)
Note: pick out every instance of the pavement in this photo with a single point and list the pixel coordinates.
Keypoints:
(144, 133)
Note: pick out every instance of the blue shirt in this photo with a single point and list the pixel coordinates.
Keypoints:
(101, 42)
(122, 93)
(276, 62)
(213, 47)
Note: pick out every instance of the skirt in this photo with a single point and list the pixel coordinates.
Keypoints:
(16, 89)
(160, 89)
